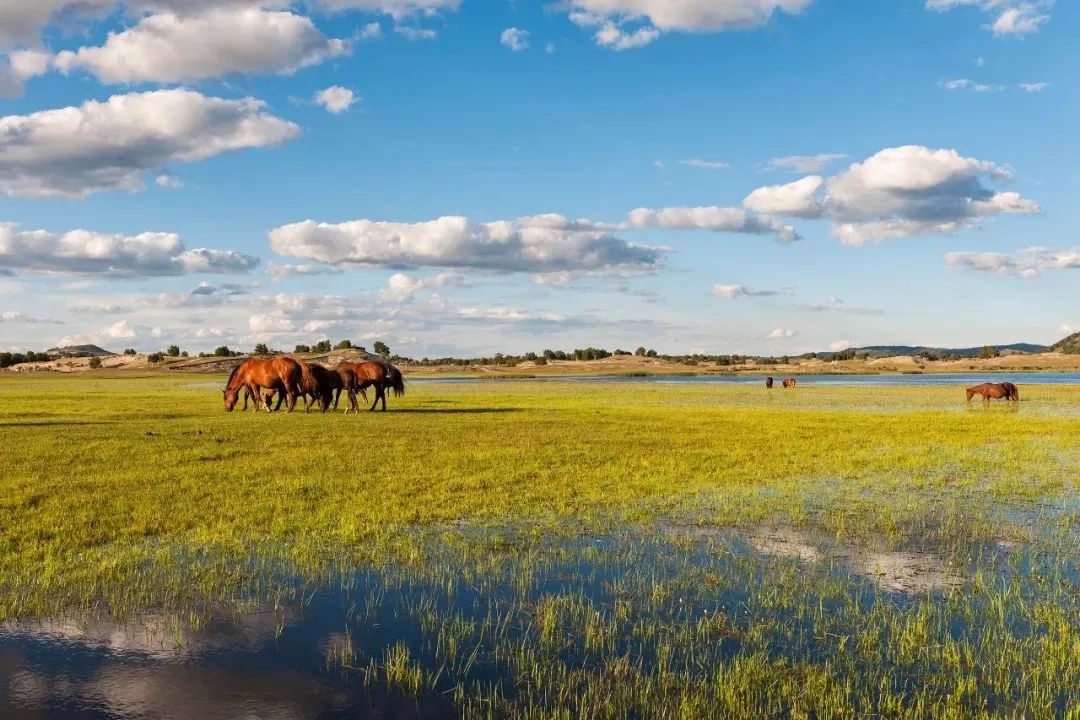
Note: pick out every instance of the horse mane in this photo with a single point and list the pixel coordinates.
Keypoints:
(232, 375)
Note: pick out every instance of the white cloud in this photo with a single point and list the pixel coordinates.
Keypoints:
(11, 316)
(122, 330)
(82, 252)
(515, 39)
(280, 270)
(969, 85)
(781, 334)
(806, 163)
(705, 164)
(841, 345)
(335, 99)
(75, 151)
(20, 66)
(458, 242)
(731, 292)
(395, 8)
(1027, 263)
(1022, 19)
(414, 33)
(168, 47)
(1012, 16)
(401, 287)
(1034, 87)
(913, 190)
(21, 21)
(371, 31)
(718, 219)
(684, 15)
(168, 180)
(795, 199)
(614, 37)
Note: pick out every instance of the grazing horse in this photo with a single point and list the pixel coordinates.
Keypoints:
(281, 374)
(768, 382)
(790, 382)
(268, 397)
(317, 384)
(996, 391)
(382, 376)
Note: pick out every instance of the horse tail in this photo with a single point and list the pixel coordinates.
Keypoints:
(397, 382)
(1016, 393)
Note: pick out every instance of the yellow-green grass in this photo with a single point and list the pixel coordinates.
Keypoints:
(96, 473)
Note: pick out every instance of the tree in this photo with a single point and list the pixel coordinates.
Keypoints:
(130, 351)
(223, 351)
(173, 351)
(344, 345)
(261, 349)
(184, 354)
(323, 346)
(382, 349)
(651, 353)
(95, 362)
(989, 351)
(155, 357)
(640, 352)
(302, 349)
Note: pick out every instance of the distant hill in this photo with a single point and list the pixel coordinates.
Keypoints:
(80, 351)
(893, 350)
(1070, 345)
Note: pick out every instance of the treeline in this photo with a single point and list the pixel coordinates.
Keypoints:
(7, 359)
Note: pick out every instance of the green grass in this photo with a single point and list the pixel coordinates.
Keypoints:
(121, 495)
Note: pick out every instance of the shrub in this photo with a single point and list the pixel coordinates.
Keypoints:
(95, 362)
(155, 357)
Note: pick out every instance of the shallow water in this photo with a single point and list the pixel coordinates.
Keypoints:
(461, 622)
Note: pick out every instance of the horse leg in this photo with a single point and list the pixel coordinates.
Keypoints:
(378, 396)
(382, 391)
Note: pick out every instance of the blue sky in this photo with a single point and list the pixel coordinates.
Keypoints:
(762, 176)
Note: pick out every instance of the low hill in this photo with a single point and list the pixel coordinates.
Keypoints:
(895, 350)
(1069, 345)
(80, 351)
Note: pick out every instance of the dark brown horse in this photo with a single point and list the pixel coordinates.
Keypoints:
(768, 382)
(281, 374)
(317, 384)
(995, 391)
(790, 382)
(382, 376)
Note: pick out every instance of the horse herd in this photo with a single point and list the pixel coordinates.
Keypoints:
(260, 379)
(988, 391)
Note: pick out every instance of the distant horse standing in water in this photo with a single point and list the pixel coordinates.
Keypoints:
(382, 376)
(281, 374)
(995, 391)
(790, 382)
(768, 382)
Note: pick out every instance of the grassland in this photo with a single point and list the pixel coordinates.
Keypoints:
(829, 552)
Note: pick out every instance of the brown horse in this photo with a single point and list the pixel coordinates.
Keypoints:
(281, 374)
(768, 382)
(995, 391)
(382, 376)
(317, 384)
(790, 382)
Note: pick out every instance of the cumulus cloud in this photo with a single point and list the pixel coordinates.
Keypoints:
(286, 270)
(781, 334)
(913, 190)
(394, 8)
(82, 252)
(122, 330)
(718, 219)
(401, 287)
(806, 163)
(1027, 263)
(1035, 87)
(169, 181)
(110, 145)
(684, 15)
(18, 67)
(458, 242)
(795, 199)
(515, 39)
(731, 292)
(612, 36)
(168, 47)
(21, 21)
(335, 99)
(841, 345)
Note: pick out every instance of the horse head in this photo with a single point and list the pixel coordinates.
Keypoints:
(231, 395)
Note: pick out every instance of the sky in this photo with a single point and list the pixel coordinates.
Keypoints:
(465, 177)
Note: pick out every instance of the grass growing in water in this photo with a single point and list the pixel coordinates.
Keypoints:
(122, 496)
